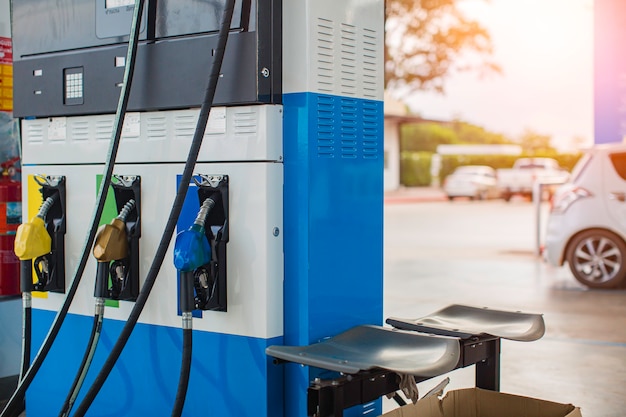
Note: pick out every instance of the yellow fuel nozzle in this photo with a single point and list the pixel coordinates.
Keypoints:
(111, 241)
(32, 240)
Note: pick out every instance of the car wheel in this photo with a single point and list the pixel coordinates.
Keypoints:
(597, 259)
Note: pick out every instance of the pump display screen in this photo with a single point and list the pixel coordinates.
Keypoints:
(44, 26)
(111, 4)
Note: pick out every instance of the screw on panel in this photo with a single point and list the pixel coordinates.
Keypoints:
(265, 72)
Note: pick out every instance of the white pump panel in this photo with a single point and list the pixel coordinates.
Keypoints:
(246, 133)
(255, 250)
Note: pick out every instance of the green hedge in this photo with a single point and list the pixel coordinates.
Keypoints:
(415, 166)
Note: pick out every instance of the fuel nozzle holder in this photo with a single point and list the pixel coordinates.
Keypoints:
(210, 280)
(43, 239)
(117, 244)
(201, 258)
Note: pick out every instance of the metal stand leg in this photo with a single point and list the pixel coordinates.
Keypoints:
(399, 400)
(488, 370)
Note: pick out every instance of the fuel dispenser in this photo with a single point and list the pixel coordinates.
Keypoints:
(292, 159)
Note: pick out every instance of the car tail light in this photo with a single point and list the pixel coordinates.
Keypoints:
(561, 201)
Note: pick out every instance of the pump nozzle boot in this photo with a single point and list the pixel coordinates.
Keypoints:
(32, 240)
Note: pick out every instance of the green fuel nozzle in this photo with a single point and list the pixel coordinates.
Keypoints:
(111, 245)
(111, 240)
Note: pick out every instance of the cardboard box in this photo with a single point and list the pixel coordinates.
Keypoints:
(475, 402)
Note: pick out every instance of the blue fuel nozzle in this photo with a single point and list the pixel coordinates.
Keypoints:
(192, 249)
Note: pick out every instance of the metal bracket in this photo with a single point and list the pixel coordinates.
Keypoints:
(125, 285)
(329, 397)
(210, 279)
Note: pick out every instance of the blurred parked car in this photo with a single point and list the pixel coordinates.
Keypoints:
(473, 181)
(587, 221)
(521, 179)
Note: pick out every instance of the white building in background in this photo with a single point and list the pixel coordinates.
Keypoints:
(396, 114)
(395, 111)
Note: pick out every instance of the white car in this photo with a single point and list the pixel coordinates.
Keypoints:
(587, 221)
(473, 181)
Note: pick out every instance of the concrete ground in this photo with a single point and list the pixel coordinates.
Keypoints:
(483, 254)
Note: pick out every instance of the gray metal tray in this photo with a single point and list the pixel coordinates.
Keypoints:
(466, 321)
(366, 347)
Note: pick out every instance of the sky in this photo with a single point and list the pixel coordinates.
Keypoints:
(545, 50)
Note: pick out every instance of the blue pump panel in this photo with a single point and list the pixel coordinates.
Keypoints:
(230, 374)
(333, 197)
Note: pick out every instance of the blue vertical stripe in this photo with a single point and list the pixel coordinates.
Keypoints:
(333, 205)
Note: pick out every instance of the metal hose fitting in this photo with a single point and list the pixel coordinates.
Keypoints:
(45, 206)
(206, 207)
(126, 210)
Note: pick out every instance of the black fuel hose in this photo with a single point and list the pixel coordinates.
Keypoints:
(17, 399)
(26, 287)
(27, 320)
(185, 370)
(26, 336)
(94, 337)
(170, 226)
(187, 305)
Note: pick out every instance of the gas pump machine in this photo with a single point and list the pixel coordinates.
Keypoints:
(280, 231)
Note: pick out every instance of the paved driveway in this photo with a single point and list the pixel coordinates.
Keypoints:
(482, 254)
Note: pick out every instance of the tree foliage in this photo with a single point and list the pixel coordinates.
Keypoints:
(470, 134)
(425, 137)
(535, 143)
(426, 40)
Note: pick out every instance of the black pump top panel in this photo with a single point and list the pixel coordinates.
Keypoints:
(69, 55)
